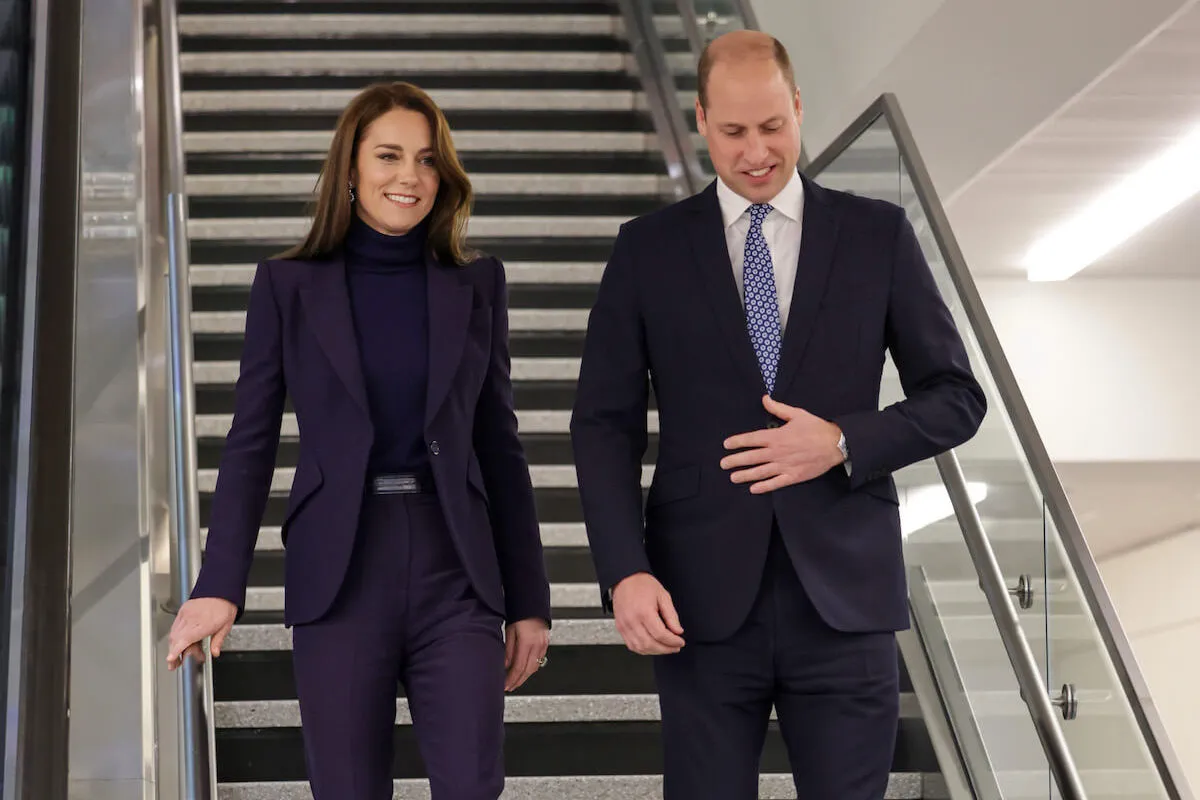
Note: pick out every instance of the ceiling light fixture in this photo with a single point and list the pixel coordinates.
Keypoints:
(1136, 201)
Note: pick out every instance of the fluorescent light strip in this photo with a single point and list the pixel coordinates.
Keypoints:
(1119, 213)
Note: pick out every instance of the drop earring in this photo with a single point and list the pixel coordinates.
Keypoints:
(352, 195)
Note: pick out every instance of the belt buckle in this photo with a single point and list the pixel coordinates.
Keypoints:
(397, 484)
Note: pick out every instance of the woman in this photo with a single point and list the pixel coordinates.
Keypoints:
(410, 530)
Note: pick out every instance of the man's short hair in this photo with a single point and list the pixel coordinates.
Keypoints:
(774, 49)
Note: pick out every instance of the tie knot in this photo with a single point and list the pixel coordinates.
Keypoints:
(758, 212)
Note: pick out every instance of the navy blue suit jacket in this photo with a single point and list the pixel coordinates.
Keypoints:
(668, 313)
(300, 342)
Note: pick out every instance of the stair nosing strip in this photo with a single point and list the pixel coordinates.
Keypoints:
(528, 421)
(566, 273)
(487, 184)
(523, 369)
(465, 141)
(335, 100)
(553, 535)
(772, 786)
(518, 709)
(539, 320)
(545, 476)
(275, 229)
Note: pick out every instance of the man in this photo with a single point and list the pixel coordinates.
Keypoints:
(768, 568)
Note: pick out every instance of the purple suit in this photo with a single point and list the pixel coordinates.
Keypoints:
(383, 589)
(300, 341)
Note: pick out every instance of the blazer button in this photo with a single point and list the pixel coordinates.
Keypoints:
(434, 448)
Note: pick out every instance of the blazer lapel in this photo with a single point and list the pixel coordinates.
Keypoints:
(327, 307)
(449, 300)
(712, 257)
(817, 243)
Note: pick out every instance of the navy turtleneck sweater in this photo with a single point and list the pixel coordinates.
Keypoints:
(386, 279)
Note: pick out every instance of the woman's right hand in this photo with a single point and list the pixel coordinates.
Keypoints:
(198, 619)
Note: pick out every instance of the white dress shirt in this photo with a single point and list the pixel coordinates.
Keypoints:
(781, 229)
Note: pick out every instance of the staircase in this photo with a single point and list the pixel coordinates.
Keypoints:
(552, 125)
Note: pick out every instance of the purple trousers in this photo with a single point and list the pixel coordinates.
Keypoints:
(406, 613)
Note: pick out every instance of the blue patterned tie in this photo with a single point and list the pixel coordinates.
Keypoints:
(762, 305)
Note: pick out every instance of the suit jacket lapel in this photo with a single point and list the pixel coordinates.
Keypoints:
(818, 239)
(327, 306)
(449, 301)
(712, 257)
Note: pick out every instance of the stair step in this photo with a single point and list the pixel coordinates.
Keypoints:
(571, 670)
(301, 64)
(252, 24)
(589, 186)
(518, 709)
(532, 749)
(542, 319)
(293, 229)
(516, 274)
(565, 534)
(466, 142)
(463, 120)
(523, 369)
(562, 595)
(567, 631)
(334, 100)
(555, 209)
(901, 786)
(217, 425)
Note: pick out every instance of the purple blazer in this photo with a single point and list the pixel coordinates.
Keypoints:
(300, 343)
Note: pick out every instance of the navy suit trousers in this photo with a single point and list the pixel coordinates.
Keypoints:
(836, 696)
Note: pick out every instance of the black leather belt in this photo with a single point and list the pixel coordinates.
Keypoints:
(402, 483)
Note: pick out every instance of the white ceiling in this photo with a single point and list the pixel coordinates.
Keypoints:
(1121, 121)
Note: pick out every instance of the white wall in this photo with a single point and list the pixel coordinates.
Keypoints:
(1108, 367)
(973, 76)
(1153, 591)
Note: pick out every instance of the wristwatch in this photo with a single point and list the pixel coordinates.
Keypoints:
(842, 447)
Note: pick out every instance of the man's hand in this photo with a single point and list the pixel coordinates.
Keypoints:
(801, 449)
(525, 645)
(198, 619)
(646, 617)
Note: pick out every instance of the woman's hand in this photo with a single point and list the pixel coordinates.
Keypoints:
(525, 645)
(198, 619)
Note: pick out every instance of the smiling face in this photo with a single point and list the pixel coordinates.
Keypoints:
(395, 174)
(752, 126)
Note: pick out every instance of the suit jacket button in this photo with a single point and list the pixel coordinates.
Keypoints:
(433, 448)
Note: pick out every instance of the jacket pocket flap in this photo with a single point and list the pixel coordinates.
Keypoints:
(675, 484)
(308, 479)
(883, 488)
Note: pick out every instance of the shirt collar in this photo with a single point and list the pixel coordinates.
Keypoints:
(789, 201)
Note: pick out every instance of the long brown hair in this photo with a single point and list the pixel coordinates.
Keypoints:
(332, 211)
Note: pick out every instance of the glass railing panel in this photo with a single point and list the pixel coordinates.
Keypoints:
(1113, 756)
(1111, 739)
(949, 608)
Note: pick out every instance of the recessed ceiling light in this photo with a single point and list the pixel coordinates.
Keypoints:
(1137, 200)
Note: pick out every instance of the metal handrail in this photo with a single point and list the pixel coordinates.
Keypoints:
(198, 763)
(1045, 477)
(658, 81)
(1029, 678)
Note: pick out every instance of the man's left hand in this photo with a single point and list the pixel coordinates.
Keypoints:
(525, 645)
(801, 449)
